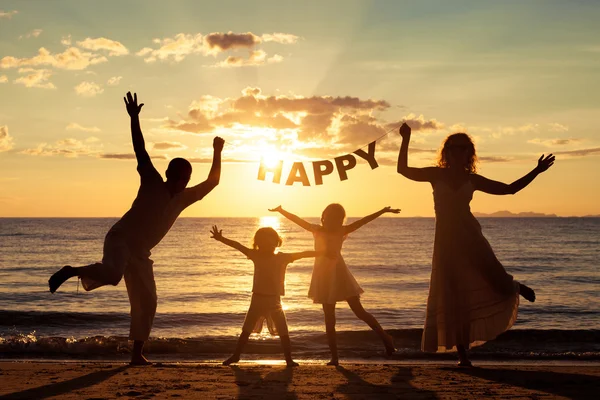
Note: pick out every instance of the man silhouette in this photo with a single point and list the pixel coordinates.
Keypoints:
(128, 243)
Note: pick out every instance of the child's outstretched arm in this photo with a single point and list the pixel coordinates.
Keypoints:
(218, 235)
(305, 254)
(363, 221)
(494, 187)
(427, 174)
(295, 219)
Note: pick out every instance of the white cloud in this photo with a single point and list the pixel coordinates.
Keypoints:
(554, 142)
(66, 40)
(114, 81)
(6, 141)
(278, 37)
(168, 146)
(75, 126)
(88, 89)
(34, 33)
(8, 14)
(37, 78)
(257, 57)
(3, 78)
(556, 127)
(176, 48)
(113, 47)
(71, 148)
(72, 58)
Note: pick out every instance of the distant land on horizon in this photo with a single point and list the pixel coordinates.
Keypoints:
(526, 214)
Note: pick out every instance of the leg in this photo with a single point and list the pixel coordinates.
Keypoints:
(359, 311)
(463, 356)
(278, 317)
(329, 310)
(141, 289)
(238, 349)
(108, 272)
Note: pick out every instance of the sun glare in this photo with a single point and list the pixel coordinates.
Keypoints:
(269, 220)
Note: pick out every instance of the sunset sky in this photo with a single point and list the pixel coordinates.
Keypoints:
(297, 81)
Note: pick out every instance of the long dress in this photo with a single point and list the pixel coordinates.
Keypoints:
(331, 279)
(472, 299)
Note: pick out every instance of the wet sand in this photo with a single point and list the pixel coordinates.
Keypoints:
(101, 380)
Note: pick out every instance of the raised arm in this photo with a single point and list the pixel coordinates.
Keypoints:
(499, 188)
(427, 174)
(295, 219)
(218, 236)
(139, 146)
(363, 221)
(214, 176)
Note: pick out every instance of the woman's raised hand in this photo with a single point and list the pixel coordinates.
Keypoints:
(545, 162)
(405, 131)
(216, 233)
(276, 209)
(389, 209)
(133, 109)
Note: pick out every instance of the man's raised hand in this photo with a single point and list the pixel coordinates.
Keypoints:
(218, 143)
(405, 131)
(131, 103)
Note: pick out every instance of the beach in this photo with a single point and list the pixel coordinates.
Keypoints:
(106, 380)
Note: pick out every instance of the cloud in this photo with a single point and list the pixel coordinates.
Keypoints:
(556, 127)
(66, 40)
(554, 142)
(71, 59)
(580, 152)
(169, 146)
(7, 14)
(114, 81)
(126, 156)
(71, 148)
(37, 78)
(88, 89)
(6, 141)
(34, 33)
(494, 159)
(178, 47)
(217, 42)
(77, 127)
(257, 57)
(113, 47)
(278, 37)
(419, 123)
(3, 78)
(512, 130)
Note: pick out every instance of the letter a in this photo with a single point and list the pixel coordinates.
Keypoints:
(297, 168)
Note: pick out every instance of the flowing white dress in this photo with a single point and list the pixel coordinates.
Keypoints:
(472, 299)
(331, 279)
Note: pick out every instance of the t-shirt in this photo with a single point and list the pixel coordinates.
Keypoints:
(269, 272)
(152, 213)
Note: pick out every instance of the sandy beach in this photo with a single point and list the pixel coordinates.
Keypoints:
(94, 380)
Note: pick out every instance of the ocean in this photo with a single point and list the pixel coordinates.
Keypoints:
(204, 289)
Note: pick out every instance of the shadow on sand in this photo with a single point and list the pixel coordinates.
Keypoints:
(60, 388)
(400, 387)
(555, 383)
(250, 383)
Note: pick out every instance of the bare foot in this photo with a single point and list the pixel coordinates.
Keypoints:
(60, 277)
(334, 362)
(526, 292)
(232, 360)
(139, 360)
(292, 363)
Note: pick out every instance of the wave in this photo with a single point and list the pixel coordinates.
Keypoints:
(530, 344)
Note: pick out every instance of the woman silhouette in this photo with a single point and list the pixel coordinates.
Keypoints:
(472, 299)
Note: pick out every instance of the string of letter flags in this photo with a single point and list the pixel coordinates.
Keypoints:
(321, 168)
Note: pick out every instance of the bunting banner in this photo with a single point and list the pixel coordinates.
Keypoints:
(341, 164)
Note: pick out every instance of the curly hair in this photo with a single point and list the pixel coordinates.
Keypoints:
(471, 165)
(266, 237)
